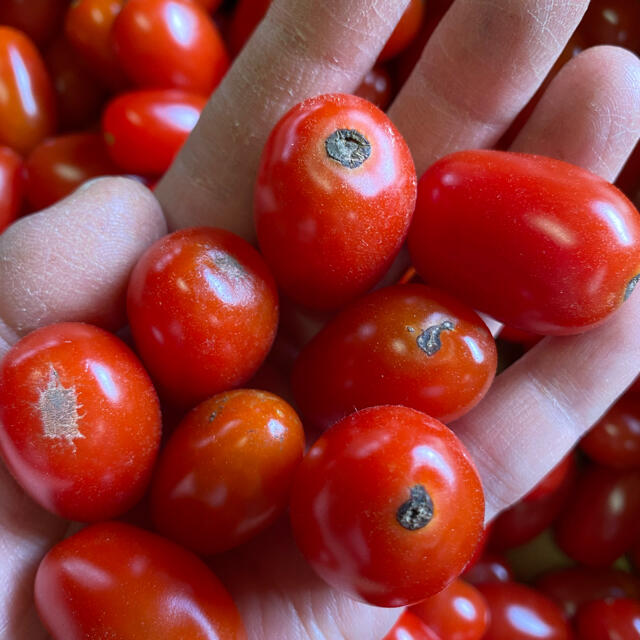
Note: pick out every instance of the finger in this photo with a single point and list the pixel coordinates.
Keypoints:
(302, 48)
(481, 66)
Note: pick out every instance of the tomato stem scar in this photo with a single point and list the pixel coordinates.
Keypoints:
(348, 147)
(429, 340)
(416, 512)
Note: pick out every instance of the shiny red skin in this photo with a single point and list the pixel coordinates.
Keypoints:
(24, 123)
(410, 627)
(11, 186)
(609, 620)
(458, 612)
(601, 521)
(246, 17)
(492, 567)
(615, 440)
(113, 580)
(327, 231)
(144, 130)
(203, 311)
(518, 612)
(376, 87)
(40, 20)
(554, 480)
(406, 30)
(347, 493)
(169, 44)
(615, 22)
(226, 472)
(370, 354)
(484, 219)
(59, 165)
(574, 586)
(79, 421)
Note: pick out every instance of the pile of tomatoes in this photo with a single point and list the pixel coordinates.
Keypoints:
(177, 440)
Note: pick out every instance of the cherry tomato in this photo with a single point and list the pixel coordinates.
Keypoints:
(112, 580)
(458, 612)
(334, 197)
(554, 480)
(526, 339)
(406, 344)
(518, 612)
(609, 620)
(246, 17)
(387, 506)
(614, 22)
(169, 44)
(79, 421)
(59, 165)
(144, 130)
(615, 440)
(376, 87)
(410, 627)
(484, 219)
(406, 30)
(492, 567)
(38, 19)
(601, 521)
(226, 472)
(11, 186)
(203, 310)
(27, 99)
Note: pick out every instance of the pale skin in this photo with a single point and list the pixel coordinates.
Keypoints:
(71, 261)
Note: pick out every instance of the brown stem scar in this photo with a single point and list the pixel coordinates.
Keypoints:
(429, 340)
(631, 286)
(348, 147)
(417, 511)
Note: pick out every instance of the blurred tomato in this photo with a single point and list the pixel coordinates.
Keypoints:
(38, 19)
(11, 186)
(406, 30)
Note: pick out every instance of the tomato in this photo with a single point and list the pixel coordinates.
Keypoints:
(246, 17)
(574, 586)
(614, 22)
(334, 197)
(629, 178)
(59, 165)
(406, 344)
(484, 219)
(144, 130)
(387, 506)
(615, 440)
(554, 480)
(410, 627)
(11, 186)
(406, 30)
(79, 421)
(169, 44)
(27, 99)
(209, 5)
(458, 612)
(112, 580)
(601, 521)
(518, 612)
(226, 472)
(609, 620)
(491, 567)
(38, 19)
(526, 339)
(376, 87)
(203, 311)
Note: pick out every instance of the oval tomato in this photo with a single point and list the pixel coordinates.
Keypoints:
(406, 30)
(609, 620)
(246, 17)
(410, 627)
(491, 567)
(376, 87)
(38, 19)
(11, 186)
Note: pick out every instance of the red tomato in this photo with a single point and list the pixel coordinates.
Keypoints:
(203, 310)
(170, 44)
(609, 620)
(59, 165)
(11, 186)
(615, 440)
(406, 344)
(406, 30)
(209, 5)
(521, 613)
(246, 17)
(387, 506)
(112, 580)
(144, 130)
(554, 480)
(79, 421)
(574, 586)
(226, 472)
(601, 521)
(614, 22)
(376, 87)
(410, 627)
(491, 567)
(334, 197)
(38, 19)
(27, 99)
(458, 612)
(485, 218)
(526, 339)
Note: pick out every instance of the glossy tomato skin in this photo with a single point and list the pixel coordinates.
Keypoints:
(203, 311)
(145, 129)
(79, 421)
(328, 230)
(615, 440)
(406, 30)
(23, 124)
(247, 15)
(609, 620)
(410, 627)
(11, 186)
(226, 472)
(458, 612)
(113, 580)
(357, 491)
(406, 344)
(377, 87)
(518, 612)
(492, 567)
(484, 219)
(169, 44)
(556, 478)
(38, 19)
(59, 165)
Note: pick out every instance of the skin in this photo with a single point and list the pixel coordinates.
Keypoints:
(71, 261)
